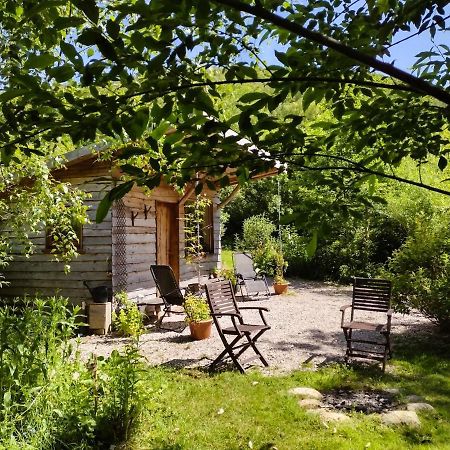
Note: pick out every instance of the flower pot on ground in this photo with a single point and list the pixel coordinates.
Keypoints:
(280, 285)
(198, 316)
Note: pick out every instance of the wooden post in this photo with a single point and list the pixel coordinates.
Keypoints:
(99, 317)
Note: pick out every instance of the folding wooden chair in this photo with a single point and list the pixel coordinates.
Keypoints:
(168, 288)
(370, 295)
(222, 303)
(247, 276)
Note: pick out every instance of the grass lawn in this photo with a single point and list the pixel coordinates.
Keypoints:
(194, 410)
(227, 259)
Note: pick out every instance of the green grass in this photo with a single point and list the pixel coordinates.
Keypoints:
(227, 259)
(258, 409)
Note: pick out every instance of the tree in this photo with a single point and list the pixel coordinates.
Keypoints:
(145, 75)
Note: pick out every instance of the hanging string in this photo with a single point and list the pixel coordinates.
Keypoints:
(279, 213)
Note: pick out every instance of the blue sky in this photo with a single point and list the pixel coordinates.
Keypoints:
(402, 55)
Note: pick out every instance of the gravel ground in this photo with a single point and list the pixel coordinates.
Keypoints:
(305, 329)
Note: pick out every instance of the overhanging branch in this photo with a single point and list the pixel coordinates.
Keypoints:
(415, 82)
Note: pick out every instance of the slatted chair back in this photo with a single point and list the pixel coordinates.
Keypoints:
(243, 265)
(167, 284)
(371, 294)
(221, 298)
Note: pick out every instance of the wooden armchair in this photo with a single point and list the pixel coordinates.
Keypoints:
(168, 288)
(222, 303)
(370, 297)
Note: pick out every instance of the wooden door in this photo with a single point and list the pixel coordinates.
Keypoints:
(167, 236)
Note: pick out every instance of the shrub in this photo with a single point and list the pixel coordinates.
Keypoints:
(196, 308)
(257, 233)
(119, 395)
(420, 271)
(49, 397)
(128, 320)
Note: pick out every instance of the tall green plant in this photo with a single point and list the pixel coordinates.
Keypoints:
(193, 231)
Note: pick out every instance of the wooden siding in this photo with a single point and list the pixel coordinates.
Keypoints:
(140, 243)
(41, 274)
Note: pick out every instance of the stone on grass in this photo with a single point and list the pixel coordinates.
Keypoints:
(419, 407)
(305, 392)
(409, 418)
(413, 399)
(392, 391)
(309, 403)
(329, 416)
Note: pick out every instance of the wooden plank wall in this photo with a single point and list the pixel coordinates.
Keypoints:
(140, 244)
(41, 274)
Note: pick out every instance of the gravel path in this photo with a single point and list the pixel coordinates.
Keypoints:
(305, 329)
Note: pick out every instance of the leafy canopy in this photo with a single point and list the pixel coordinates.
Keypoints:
(146, 74)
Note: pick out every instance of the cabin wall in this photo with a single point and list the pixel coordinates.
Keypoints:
(41, 274)
(140, 239)
(141, 242)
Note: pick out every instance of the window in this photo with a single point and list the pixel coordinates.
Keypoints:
(198, 218)
(50, 244)
(208, 230)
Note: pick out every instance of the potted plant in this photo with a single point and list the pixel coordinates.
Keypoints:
(198, 316)
(280, 285)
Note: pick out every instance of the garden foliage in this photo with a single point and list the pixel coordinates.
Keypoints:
(50, 399)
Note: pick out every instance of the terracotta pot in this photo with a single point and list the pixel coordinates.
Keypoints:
(201, 330)
(280, 288)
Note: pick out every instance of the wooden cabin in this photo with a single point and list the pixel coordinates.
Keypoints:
(140, 230)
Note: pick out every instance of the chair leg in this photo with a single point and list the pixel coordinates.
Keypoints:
(228, 349)
(255, 349)
(348, 339)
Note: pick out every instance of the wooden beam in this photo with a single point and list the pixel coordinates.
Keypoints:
(229, 198)
(189, 191)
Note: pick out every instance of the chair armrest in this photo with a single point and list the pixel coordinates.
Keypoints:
(225, 314)
(342, 309)
(261, 308)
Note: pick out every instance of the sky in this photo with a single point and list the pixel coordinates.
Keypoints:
(402, 55)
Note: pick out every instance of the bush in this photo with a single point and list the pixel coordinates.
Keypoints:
(51, 399)
(257, 233)
(420, 271)
(128, 320)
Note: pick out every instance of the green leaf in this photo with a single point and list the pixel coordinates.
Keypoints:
(7, 399)
(307, 98)
(132, 170)
(41, 61)
(89, 7)
(113, 29)
(12, 93)
(154, 163)
(251, 96)
(442, 164)
(115, 194)
(312, 245)
(199, 188)
(137, 124)
(133, 151)
(62, 73)
(70, 52)
(62, 23)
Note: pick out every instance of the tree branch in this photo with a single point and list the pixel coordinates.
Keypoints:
(325, 80)
(415, 82)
